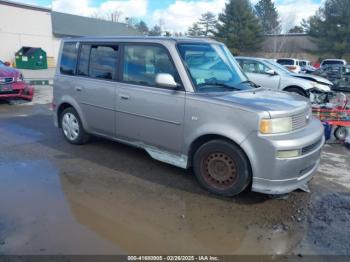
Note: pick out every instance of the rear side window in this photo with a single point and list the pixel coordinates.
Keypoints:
(103, 61)
(69, 58)
(143, 62)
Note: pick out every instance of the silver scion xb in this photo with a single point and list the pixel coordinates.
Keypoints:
(187, 103)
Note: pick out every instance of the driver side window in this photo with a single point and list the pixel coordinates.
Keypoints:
(254, 67)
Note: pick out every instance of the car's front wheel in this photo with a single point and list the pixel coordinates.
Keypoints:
(222, 168)
(72, 128)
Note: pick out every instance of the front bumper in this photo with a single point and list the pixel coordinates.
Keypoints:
(20, 90)
(272, 175)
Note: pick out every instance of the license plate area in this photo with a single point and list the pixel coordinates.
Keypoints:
(5, 88)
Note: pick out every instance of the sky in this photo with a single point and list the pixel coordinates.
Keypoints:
(174, 15)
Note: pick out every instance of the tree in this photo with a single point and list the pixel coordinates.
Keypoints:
(239, 27)
(268, 16)
(142, 27)
(296, 29)
(330, 27)
(195, 30)
(155, 31)
(207, 23)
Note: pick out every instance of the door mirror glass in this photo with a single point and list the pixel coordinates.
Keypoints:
(166, 80)
(7, 63)
(271, 72)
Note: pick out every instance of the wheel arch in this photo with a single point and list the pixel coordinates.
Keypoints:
(66, 103)
(306, 92)
(199, 141)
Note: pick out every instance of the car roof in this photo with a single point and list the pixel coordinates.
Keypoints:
(140, 39)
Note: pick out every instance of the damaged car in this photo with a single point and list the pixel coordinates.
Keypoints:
(164, 96)
(267, 73)
(12, 84)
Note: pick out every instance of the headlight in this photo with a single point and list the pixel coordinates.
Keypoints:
(20, 78)
(276, 125)
(320, 87)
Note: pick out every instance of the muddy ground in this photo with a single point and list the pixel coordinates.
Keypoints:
(108, 198)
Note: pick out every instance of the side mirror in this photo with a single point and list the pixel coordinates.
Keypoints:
(7, 63)
(166, 80)
(271, 72)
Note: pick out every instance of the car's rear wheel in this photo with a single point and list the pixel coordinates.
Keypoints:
(222, 168)
(72, 128)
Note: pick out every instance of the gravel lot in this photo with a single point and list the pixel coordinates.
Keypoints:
(107, 198)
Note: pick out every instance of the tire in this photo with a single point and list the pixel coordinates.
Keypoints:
(297, 90)
(222, 168)
(72, 128)
(341, 133)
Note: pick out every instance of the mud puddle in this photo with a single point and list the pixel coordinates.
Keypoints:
(45, 210)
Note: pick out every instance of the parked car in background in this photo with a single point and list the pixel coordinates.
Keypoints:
(339, 75)
(266, 73)
(306, 67)
(12, 85)
(187, 103)
(291, 64)
(328, 62)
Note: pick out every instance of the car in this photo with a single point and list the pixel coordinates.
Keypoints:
(339, 75)
(328, 62)
(306, 67)
(291, 64)
(12, 84)
(155, 94)
(266, 73)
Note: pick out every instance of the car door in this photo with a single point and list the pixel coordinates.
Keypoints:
(147, 113)
(256, 72)
(96, 85)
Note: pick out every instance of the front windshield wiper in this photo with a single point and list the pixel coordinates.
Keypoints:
(250, 83)
(218, 84)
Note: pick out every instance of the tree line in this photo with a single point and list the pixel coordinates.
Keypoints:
(243, 27)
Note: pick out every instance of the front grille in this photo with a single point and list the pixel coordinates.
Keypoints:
(12, 92)
(299, 121)
(6, 80)
(311, 147)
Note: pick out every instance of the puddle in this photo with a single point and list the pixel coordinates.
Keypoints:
(335, 165)
(45, 211)
(35, 217)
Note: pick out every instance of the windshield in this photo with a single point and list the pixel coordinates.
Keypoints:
(276, 66)
(285, 61)
(213, 68)
(333, 62)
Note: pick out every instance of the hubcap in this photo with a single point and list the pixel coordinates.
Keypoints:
(219, 170)
(70, 126)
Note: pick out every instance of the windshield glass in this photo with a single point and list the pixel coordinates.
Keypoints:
(213, 68)
(333, 62)
(276, 66)
(285, 61)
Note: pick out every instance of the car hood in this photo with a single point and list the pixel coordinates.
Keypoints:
(314, 78)
(276, 103)
(6, 71)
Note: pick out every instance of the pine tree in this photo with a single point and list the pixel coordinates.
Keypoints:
(268, 16)
(207, 22)
(195, 30)
(238, 27)
(142, 27)
(330, 26)
(155, 31)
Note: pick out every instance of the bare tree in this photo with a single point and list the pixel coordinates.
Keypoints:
(113, 16)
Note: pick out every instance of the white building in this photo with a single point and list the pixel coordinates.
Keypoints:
(33, 26)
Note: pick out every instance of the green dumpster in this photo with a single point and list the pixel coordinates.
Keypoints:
(31, 58)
